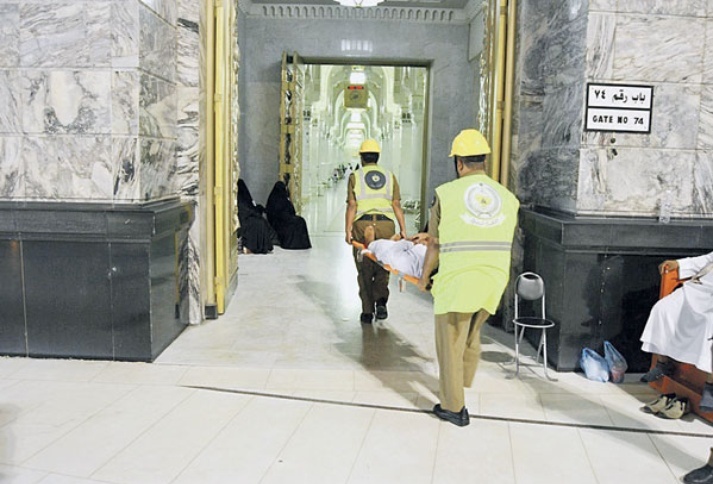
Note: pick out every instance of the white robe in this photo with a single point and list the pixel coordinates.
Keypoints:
(681, 324)
(402, 255)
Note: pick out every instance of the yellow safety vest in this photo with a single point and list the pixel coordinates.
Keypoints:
(475, 232)
(374, 191)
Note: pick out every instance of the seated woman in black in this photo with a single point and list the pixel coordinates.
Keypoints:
(255, 232)
(291, 228)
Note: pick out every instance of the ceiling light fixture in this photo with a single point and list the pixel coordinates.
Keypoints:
(359, 3)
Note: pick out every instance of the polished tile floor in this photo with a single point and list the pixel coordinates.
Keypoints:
(288, 387)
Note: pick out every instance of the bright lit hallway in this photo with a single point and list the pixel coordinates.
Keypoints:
(288, 387)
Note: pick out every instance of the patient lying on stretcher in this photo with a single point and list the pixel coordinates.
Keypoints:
(404, 255)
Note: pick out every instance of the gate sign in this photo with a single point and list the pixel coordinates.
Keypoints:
(619, 108)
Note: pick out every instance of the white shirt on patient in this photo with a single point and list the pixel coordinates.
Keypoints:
(402, 255)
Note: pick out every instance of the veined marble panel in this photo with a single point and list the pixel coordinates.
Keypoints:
(655, 48)
(61, 101)
(166, 9)
(188, 62)
(9, 35)
(125, 33)
(158, 168)
(549, 178)
(68, 168)
(600, 46)
(602, 5)
(157, 45)
(68, 34)
(708, 56)
(195, 301)
(630, 181)
(125, 102)
(565, 56)
(10, 101)
(11, 175)
(684, 8)
(562, 116)
(705, 126)
(703, 183)
(187, 145)
(157, 108)
(126, 162)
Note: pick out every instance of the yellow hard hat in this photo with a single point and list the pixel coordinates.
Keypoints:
(469, 142)
(370, 146)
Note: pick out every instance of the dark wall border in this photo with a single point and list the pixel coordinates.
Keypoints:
(601, 276)
(94, 281)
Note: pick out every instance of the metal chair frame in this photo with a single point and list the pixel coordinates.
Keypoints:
(530, 287)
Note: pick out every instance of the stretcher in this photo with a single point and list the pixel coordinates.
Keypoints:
(362, 252)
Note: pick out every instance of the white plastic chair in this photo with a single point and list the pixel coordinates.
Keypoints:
(530, 287)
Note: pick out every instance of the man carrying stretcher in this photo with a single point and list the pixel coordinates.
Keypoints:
(373, 200)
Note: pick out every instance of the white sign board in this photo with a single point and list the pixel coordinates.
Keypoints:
(619, 108)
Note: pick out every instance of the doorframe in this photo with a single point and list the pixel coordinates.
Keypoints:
(425, 145)
(219, 264)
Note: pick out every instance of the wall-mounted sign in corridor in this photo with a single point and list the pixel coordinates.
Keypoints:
(619, 108)
(356, 96)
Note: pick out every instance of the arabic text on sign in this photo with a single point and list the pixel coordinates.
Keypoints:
(613, 96)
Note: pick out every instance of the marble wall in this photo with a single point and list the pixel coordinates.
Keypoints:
(100, 104)
(89, 100)
(563, 44)
(346, 36)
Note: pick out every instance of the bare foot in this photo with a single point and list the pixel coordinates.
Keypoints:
(369, 235)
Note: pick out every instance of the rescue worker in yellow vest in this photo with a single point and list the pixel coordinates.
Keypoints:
(471, 228)
(373, 199)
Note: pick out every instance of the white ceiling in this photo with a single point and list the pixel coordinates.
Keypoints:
(456, 4)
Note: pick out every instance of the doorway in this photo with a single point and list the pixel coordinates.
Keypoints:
(340, 106)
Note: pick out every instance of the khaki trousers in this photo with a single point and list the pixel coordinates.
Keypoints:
(372, 278)
(458, 351)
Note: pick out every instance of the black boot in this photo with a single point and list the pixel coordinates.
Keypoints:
(381, 312)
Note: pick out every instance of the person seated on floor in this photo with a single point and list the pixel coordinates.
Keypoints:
(404, 255)
(255, 231)
(291, 228)
(680, 325)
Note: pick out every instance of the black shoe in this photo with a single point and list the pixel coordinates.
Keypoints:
(381, 312)
(366, 318)
(460, 419)
(702, 475)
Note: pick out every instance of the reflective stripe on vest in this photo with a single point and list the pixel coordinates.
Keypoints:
(474, 246)
(374, 200)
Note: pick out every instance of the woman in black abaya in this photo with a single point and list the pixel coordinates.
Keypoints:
(291, 228)
(255, 231)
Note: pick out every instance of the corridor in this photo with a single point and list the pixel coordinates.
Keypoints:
(288, 387)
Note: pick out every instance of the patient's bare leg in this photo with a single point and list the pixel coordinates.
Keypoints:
(706, 404)
(369, 235)
(664, 366)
